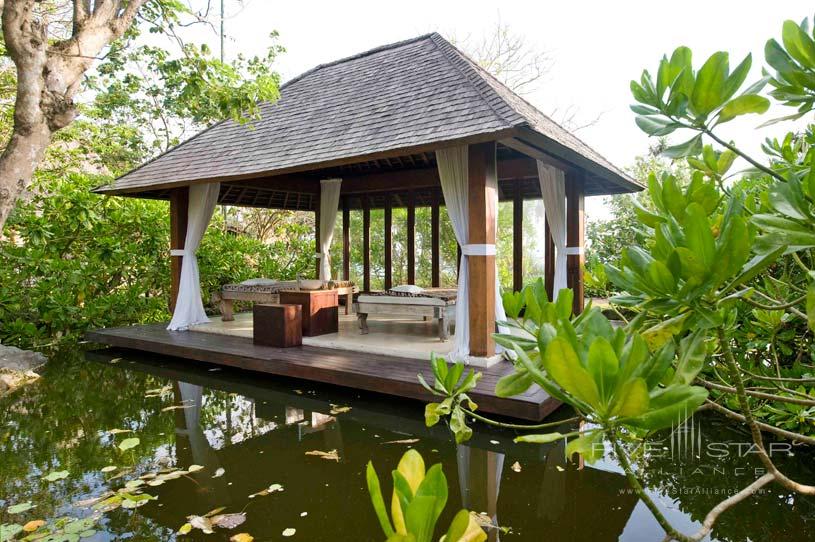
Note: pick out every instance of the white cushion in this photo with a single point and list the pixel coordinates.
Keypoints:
(409, 288)
(259, 282)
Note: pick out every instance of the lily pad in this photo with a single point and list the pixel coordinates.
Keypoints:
(109, 468)
(56, 475)
(129, 443)
(18, 508)
(194, 468)
(289, 532)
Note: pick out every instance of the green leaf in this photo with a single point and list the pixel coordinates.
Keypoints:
(691, 147)
(589, 446)
(631, 400)
(431, 414)
(603, 366)
(811, 304)
(19, 508)
(564, 303)
(129, 443)
(562, 364)
(784, 231)
(709, 88)
(742, 105)
(798, 44)
(698, 235)
(464, 529)
(540, 439)
(513, 384)
(670, 406)
(738, 77)
(692, 354)
(656, 125)
(56, 475)
(661, 333)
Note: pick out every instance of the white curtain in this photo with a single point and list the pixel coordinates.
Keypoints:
(329, 202)
(553, 189)
(454, 176)
(189, 308)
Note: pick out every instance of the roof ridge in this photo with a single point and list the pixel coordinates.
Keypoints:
(356, 56)
(442, 44)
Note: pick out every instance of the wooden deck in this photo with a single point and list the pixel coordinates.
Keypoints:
(358, 370)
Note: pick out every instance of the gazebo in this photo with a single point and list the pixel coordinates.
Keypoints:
(410, 124)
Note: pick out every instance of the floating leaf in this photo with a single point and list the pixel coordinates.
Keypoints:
(331, 455)
(516, 467)
(9, 531)
(109, 468)
(403, 441)
(242, 537)
(194, 468)
(129, 443)
(335, 409)
(119, 431)
(289, 532)
(228, 521)
(185, 529)
(202, 523)
(263, 492)
(219, 472)
(33, 525)
(18, 508)
(56, 475)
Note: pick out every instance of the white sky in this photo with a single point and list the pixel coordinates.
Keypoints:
(597, 46)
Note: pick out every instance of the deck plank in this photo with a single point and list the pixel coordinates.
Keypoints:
(358, 370)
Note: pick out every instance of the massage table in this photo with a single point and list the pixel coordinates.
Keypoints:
(436, 303)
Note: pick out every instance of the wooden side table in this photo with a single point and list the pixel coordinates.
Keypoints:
(277, 325)
(320, 310)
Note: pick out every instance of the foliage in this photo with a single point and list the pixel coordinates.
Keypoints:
(419, 497)
(713, 260)
(449, 384)
(71, 260)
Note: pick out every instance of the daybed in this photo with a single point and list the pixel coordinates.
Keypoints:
(438, 303)
(268, 291)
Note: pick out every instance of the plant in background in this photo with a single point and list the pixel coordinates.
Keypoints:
(722, 283)
(418, 499)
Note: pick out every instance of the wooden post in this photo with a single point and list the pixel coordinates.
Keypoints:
(411, 239)
(346, 240)
(575, 237)
(483, 192)
(435, 222)
(549, 261)
(366, 245)
(179, 209)
(517, 238)
(388, 219)
(317, 238)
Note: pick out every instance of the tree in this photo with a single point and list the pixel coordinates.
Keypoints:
(55, 44)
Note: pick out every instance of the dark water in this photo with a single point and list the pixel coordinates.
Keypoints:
(258, 430)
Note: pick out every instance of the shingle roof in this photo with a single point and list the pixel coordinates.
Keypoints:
(417, 92)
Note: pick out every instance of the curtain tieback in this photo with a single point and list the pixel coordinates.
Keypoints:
(573, 251)
(181, 252)
(478, 250)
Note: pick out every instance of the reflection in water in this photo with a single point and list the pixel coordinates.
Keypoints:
(257, 431)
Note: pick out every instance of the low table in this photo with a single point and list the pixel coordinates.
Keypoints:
(266, 294)
(320, 313)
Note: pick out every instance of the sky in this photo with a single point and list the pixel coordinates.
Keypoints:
(596, 47)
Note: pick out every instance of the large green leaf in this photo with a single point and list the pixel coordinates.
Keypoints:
(698, 235)
(785, 231)
(631, 400)
(656, 125)
(798, 44)
(513, 384)
(603, 366)
(743, 105)
(376, 499)
(709, 88)
(670, 407)
(692, 354)
(544, 438)
(562, 364)
(589, 446)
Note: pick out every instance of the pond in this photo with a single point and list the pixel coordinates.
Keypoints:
(244, 433)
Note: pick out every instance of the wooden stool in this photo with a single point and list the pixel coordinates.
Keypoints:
(277, 325)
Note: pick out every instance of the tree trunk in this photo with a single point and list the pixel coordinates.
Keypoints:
(17, 165)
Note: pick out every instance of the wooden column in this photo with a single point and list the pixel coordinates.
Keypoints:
(366, 245)
(549, 261)
(575, 237)
(346, 240)
(435, 256)
(483, 191)
(179, 209)
(517, 238)
(411, 239)
(388, 219)
(317, 238)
